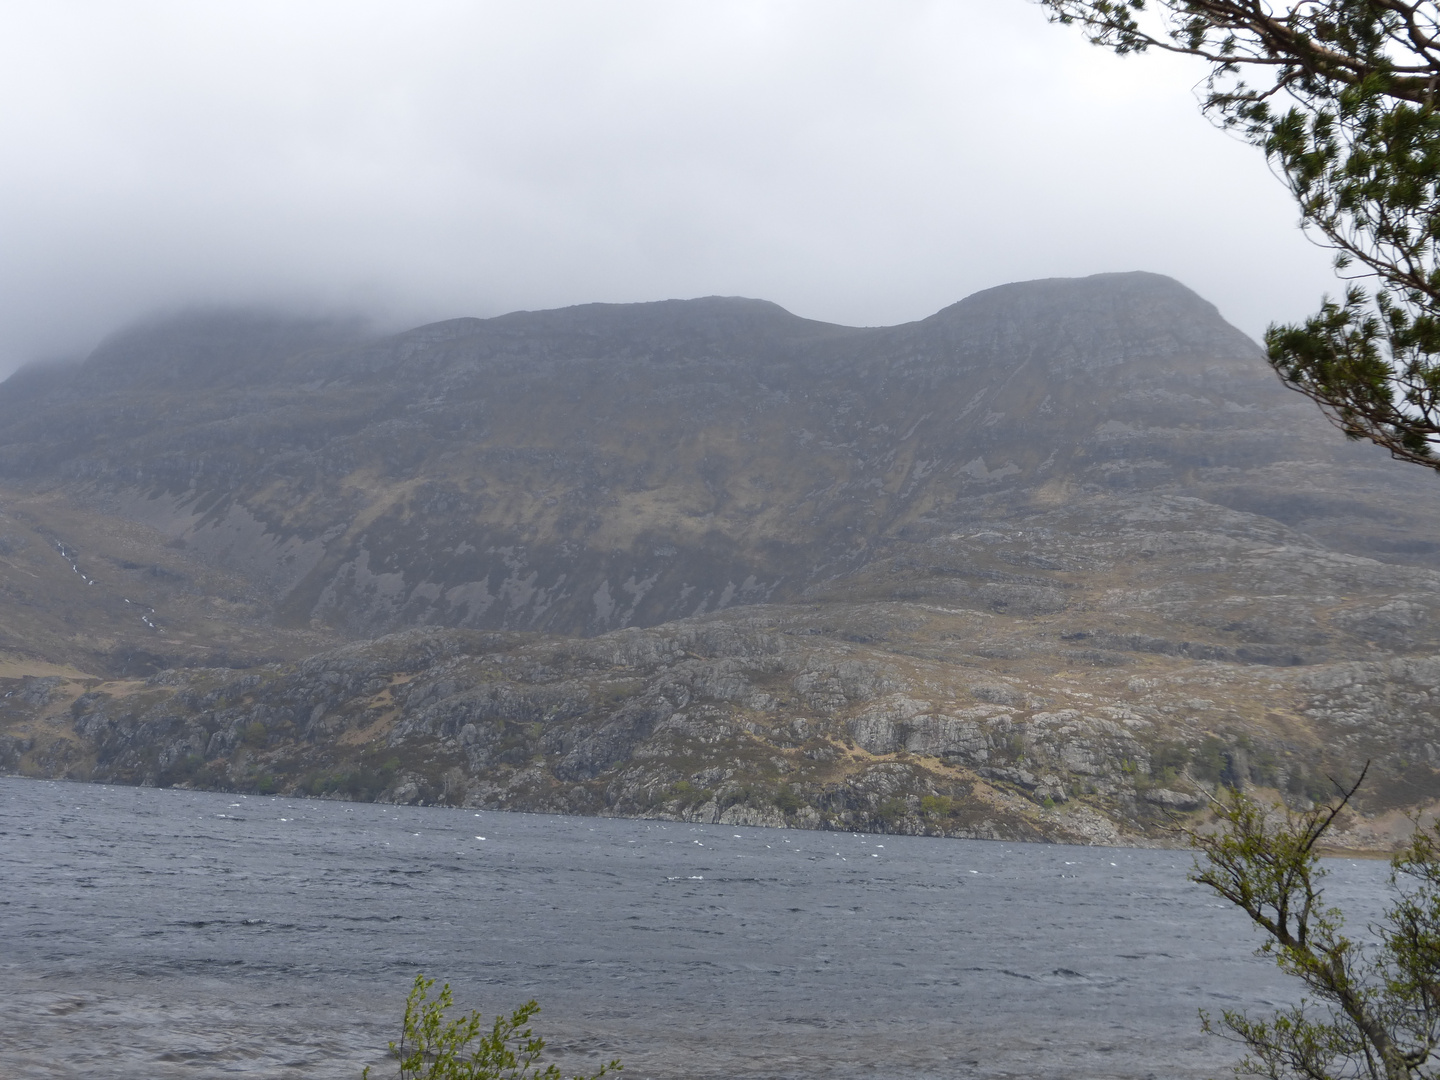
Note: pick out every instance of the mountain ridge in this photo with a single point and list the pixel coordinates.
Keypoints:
(1047, 481)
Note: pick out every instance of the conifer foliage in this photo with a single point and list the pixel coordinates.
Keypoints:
(1341, 96)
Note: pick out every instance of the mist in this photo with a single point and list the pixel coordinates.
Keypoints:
(858, 163)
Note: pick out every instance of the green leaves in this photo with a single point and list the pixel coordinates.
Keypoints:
(432, 1047)
(1371, 1010)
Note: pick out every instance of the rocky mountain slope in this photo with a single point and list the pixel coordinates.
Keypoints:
(1044, 564)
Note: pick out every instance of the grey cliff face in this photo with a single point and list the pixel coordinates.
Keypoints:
(1048, 523)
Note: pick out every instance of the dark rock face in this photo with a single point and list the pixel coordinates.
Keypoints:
(1096, 476)
(605, 466)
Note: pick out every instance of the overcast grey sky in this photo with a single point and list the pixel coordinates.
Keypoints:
(859, 162)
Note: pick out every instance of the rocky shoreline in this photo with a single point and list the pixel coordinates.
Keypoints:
(1053, 563)
(745, 718)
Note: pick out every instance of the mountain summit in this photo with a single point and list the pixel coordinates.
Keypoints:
(609, 465)
(1100, 460)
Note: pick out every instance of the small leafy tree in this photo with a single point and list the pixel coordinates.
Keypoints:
(1341, 96)
(434, 1048)
(1372, 1009)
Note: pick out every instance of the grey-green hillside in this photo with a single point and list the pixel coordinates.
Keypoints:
(1082, 549)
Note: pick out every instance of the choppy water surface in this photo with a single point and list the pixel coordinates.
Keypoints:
(149, 933)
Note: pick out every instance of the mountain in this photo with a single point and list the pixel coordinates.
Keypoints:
(1034, 565)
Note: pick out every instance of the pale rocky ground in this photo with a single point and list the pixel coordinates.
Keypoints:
(1054, 563)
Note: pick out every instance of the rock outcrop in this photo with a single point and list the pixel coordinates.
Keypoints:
(1049, 563)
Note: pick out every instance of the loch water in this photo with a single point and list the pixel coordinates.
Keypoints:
(166, 933)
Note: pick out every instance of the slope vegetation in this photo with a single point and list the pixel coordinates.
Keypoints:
(1047, 563)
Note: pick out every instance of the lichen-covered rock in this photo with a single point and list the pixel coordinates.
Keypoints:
(1174, 800)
